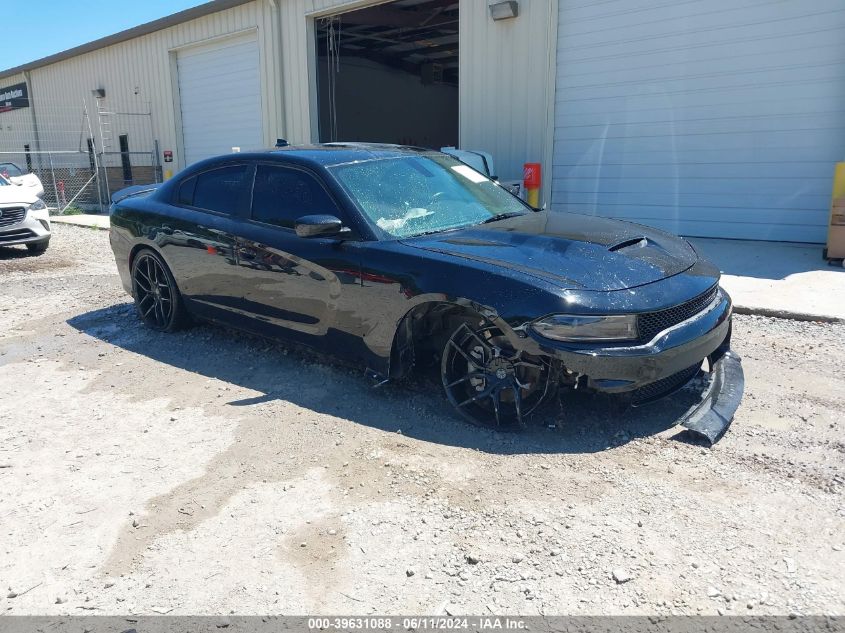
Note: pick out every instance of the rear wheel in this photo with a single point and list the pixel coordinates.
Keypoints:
(490, 383)
(157, 298)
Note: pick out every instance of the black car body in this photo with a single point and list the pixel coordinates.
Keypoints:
(384, 300)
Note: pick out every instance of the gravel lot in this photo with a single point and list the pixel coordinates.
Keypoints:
(208, 472)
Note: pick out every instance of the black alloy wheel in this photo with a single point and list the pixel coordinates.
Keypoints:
(156, 295)
(488, 382)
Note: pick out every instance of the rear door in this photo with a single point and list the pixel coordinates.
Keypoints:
(299, 285)
(199, 242)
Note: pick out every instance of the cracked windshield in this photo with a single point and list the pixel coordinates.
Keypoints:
(416, 195)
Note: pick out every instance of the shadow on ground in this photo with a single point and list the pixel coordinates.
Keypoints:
(16, 252)
(416, 407)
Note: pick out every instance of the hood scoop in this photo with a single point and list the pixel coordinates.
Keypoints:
(639, 242)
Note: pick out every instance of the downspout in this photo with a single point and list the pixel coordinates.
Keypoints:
(279, 87)
(28, 79)
(551, 83)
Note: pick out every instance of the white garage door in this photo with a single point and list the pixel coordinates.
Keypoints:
(718, 118)
(220, 94)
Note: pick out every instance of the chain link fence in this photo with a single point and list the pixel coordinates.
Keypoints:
(81, 154)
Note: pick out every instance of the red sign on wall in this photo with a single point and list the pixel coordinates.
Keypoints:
(531, 175)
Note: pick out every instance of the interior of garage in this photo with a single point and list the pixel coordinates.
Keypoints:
(389, 73)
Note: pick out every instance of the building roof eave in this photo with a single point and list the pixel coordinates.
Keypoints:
(136, 31)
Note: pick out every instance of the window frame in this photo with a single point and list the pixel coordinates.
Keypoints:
(342, 214)
(244, 200)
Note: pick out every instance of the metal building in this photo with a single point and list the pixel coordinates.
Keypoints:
(706, 117)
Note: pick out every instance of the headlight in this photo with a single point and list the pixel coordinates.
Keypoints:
(572, 327)
(39, 211)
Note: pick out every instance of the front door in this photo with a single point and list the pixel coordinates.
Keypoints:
(304, 286)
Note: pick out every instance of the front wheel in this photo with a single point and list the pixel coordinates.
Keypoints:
(157, 298)
(37, 248)
(490, 383)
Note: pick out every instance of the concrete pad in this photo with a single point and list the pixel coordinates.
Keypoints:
(778, 278)
(84, 219)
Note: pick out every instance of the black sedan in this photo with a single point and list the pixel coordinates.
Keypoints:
(395, 257)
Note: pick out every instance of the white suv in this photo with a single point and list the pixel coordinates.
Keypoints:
(24, 218)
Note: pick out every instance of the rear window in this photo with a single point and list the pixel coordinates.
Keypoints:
(221, 190)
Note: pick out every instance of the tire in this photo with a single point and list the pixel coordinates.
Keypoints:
(38, 248)
(157, 297)
(490, 384)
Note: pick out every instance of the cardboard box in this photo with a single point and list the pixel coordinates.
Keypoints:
(836, 228)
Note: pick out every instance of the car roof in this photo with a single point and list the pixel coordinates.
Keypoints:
(328, 154)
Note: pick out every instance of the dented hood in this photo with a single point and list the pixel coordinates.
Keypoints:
(574, 251)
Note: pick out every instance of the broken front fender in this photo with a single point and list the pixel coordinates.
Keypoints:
(713, 414)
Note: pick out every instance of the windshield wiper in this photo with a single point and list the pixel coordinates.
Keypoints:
(501, 216)
(433, 232)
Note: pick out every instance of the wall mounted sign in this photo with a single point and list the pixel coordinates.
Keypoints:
(14, 97)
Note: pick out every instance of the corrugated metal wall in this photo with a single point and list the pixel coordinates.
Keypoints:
(141, 71)
(507, 83)
(299, 59)
(506, 75)
(14, 122)
(16, 126)
(705, 117)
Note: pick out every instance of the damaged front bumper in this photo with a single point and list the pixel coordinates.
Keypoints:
(720, 398)
(627, 368)
(666, 364)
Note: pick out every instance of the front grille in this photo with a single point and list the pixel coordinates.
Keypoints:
(664, 386)
(16, 234)
(650, 323)
(8, 217)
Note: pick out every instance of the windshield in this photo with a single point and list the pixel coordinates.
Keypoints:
(412, 195)
(3, 181)
(10, 169)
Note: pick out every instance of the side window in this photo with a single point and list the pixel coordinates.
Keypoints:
(280, 196)
(186, 191)
(221, 189)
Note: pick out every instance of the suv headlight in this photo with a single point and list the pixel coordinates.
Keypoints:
(39, 211)
(573, 327)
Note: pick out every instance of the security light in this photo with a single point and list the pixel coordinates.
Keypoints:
(504, 10)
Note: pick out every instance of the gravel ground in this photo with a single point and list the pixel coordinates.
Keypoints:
(208, 472)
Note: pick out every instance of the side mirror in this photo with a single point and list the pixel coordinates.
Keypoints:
(318, 226)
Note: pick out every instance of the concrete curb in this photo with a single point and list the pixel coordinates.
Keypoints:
(99, 222)
(778, 313)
